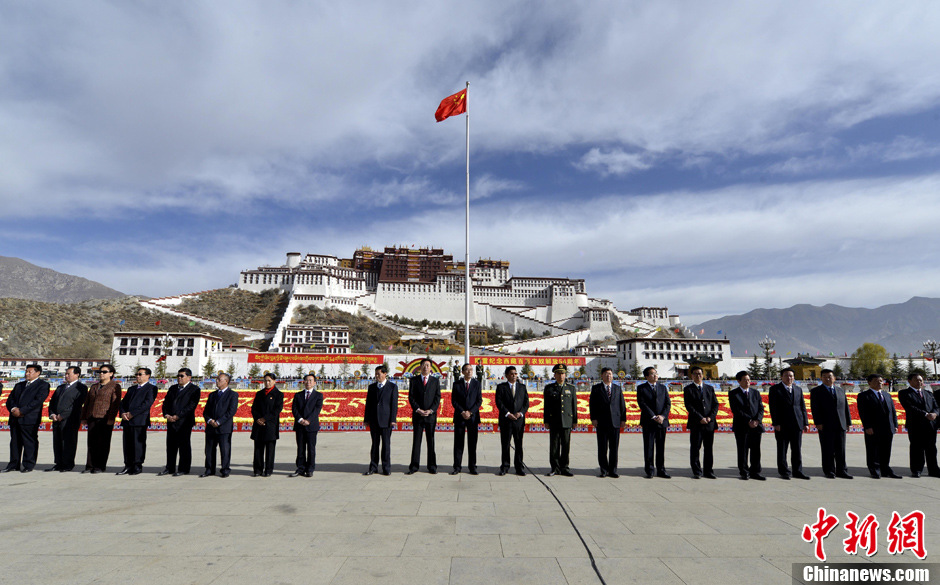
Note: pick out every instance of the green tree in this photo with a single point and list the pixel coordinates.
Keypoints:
(161, 370)
(896, 369)
(185, 363)
(364, 368)
(344, 368)
(230, 370)
(838, 371)
(755, 370)
(254, 371)
(635, 371)
(618, 368)
(322, 372)
(277, 370)
(870, 358)
(208, 370)
(910, 364)
(299, 372)
(526, 371)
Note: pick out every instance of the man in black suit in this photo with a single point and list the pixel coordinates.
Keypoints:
(65, 412)
(921, 411)
(653, 400)
(265, 429)
(702, 406)
(747, 423)
(608, 413)
(135, 418)
(512, 402)
(306, 411)
(789, 419)
(380, 416)
(25, 406)
(832, 419)
(219, 414)
(466, 398)
(880, 421)
(424, 395)
(179, 408)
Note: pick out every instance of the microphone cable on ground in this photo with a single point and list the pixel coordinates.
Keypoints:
(570, 521)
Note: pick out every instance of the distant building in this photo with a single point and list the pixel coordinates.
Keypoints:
(671, 356)
(313, 339)
(144, 348)
(51, 365)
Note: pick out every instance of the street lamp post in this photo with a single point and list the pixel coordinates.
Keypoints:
(932, 351)
(767, 345)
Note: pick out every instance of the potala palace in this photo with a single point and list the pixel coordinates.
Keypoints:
(425, 283)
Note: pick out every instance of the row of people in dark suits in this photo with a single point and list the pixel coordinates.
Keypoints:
(73, 404)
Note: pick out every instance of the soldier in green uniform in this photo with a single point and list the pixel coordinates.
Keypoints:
(560, 413)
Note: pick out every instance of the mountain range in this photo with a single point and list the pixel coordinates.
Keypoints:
(21, 280)
(901, 328)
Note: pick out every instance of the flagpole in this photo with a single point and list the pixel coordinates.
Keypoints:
(467, 290)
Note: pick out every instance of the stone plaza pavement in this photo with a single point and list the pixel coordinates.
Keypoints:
(342, 527)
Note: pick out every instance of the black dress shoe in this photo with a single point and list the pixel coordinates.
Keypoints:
(933, 474)
(830, 475)
(455, 472)
(8, 469)
(206, 474)
(52, 469)
(800, 476)
(566, 472)
(520, 473)
(743, 476)
(164, 472)
(613, 475)
(874, 476)
(86, 470)
(295, 474)
(224, 474)
(94, 471)
(758, 477)
(124, 471)
(785, 476)
(64, 469)
(696, 476)
(663, 475)
(386, 472)
(179, 473)
(893, 475)
(370, 472)
(709, 475)
(134, 472)
(551, 473)
(255, 474)
(648, 475)
(915, 474)
(502, 472)
(266, 474)
(602, 474)
(410, 472)
(474, 471)
(843, 475)
(25, 470)
(308, 474)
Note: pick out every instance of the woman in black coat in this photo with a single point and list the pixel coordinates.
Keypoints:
(266, 412)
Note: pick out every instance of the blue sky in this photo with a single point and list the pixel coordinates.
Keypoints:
(712, 157)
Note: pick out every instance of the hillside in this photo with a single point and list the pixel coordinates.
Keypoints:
(21, 280)
(901, 328)
(80, 330)
(239, 307)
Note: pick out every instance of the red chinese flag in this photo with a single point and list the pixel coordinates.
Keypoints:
(452, 105)
(157, 323)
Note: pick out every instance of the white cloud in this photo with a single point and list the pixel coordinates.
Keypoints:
(614, 162)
